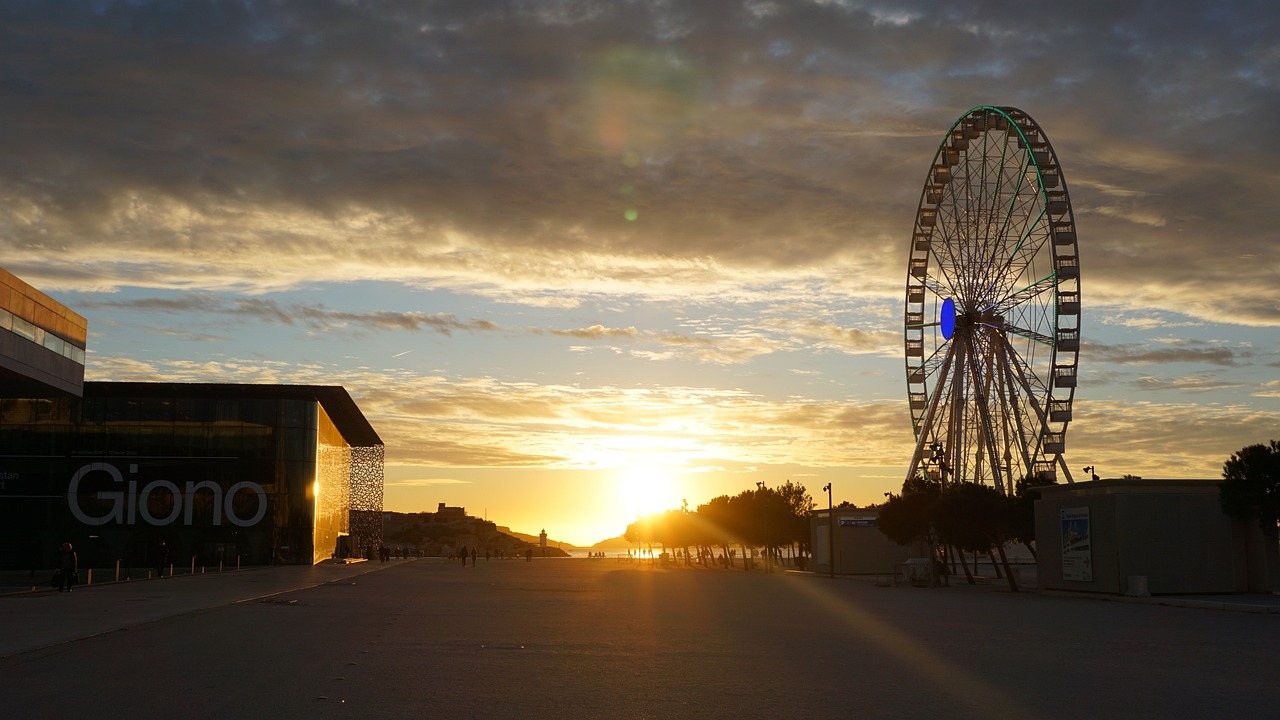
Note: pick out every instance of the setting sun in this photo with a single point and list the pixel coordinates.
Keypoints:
(646, 489)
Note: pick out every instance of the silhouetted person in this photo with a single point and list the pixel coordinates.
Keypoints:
(462, 553)
(162, 558)
(528, 554)
(68, 565)
(473, 557)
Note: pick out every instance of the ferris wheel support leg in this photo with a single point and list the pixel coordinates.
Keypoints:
(923, 434)
(955, 433)
(1062, 463)
(1011, 387)
(1026, 386)
(988, 437)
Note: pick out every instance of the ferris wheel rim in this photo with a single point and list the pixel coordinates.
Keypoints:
(1056, 391)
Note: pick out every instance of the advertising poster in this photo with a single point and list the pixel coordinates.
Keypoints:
(1077, 562)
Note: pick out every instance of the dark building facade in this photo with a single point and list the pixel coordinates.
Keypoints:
(156, 473)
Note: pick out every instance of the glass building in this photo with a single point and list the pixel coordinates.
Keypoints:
(151, 474)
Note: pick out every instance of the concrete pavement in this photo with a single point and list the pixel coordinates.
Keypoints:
(581, 638)
(32, 620)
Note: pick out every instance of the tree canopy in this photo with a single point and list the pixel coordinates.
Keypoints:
(1251, 484)
(968, 516)
(763, 517)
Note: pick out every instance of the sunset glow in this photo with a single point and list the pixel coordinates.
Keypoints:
(645, 489)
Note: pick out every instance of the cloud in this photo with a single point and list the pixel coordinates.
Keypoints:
(1163, 440)
(1144, 322)
(187, 335)
(845, 339)
(258, 148)
(1187, 352)
(426, 482)
(314, 316)
(1198, 383)
(1270, 389)
(598, 331)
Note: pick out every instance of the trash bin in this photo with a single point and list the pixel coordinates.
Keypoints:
(1136, 586)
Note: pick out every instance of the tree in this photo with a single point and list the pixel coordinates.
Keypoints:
(644, 531)
(1251, 485)
(976, 518)
(1026, 492)
(1251, 490)
(907, 518)
(716, 516)
(800, 504)
(921, 483)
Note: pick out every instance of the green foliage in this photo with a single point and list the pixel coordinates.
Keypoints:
(763, 517)
(908, 518)
(1251, 484)
(1026, 492)
(974, 517)
(920, 483)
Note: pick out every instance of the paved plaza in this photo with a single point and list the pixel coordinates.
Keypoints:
(574, 638)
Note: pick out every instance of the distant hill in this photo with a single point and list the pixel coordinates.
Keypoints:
(614, 542)
(534, 540)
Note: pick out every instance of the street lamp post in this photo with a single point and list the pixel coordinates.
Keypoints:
(760, 488)
(831, 532)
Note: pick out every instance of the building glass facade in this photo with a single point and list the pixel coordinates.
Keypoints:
(155, 473)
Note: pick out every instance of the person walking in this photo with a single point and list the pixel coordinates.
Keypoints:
(473, 557)
(463, 554)
(68, 566)
(162, 558)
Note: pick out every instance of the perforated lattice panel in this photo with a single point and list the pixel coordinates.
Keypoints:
(366, 496)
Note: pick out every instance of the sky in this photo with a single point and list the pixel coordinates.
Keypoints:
(580, 260)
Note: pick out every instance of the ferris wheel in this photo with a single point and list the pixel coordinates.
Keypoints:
(991, 326)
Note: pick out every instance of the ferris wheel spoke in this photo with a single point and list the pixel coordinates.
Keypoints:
(1029, 334)
(1020, 250)
(950, 264)
(1032, 292)
(1012, 205)
(1020, 375)
(939, 288)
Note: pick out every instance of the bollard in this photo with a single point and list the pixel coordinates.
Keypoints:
(237, 561)
(117, 571)
(148, 573)
(88, 580)
(219, 566)
(170, 569)
(193, 564)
